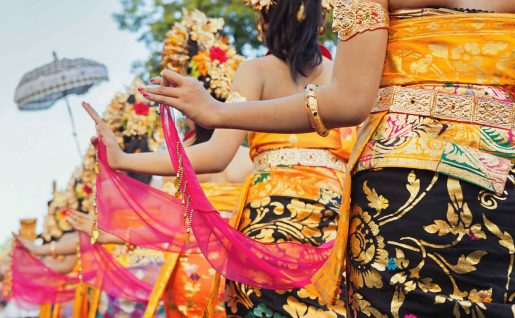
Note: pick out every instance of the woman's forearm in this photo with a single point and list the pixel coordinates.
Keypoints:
(63, 266)
(67, 245)
(205, 157)
(264, 115)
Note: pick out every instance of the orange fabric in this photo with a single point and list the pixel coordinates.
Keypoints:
(339, 141)
(223, 196)
(189, 286)
(45, 311)
(80, 306)
(450, 49)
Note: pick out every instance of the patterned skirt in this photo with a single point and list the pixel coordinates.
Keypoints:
(422, 244)
(294, 205)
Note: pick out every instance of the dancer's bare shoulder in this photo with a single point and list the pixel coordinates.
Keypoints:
(501, 6)
(248, 79)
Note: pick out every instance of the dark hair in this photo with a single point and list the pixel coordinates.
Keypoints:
(202, 134)
(293, 41)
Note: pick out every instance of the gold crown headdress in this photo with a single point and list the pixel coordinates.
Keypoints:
(196, 46)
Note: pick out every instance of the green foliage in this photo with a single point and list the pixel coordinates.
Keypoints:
(152, 19)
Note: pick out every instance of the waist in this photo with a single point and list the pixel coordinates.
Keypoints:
(262, 142)
(456, 48)
(298, 157)
(444, 106)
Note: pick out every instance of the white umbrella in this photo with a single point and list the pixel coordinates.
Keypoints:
(42, 87)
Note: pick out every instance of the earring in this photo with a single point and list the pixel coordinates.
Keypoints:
(322, 30)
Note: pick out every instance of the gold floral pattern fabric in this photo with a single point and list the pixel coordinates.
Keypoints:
(458, 48)
(294, 204)
(189, 287)
(431, 246)
(351, 17)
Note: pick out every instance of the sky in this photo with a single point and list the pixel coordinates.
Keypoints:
(37, 147)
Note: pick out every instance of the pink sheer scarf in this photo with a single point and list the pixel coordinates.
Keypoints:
(35, 283)
(144, 216)
(101, 270)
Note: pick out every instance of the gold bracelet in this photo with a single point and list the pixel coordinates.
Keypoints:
(52, 249)
(314, 117)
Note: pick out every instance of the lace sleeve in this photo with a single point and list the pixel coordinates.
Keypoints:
(351, 17)
(235, 97)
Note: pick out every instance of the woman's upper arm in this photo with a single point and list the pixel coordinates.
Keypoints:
(360, 55)
(247, 84)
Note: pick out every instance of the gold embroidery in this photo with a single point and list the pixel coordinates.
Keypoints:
(298, 157)
(351, 17)
(459, 225)
(460, 108)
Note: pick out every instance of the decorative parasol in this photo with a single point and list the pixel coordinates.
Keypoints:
(42, 87)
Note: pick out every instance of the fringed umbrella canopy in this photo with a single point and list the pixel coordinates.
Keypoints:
(42, 87)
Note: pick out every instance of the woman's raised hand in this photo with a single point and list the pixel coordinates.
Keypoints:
(186, 94)
(81, 222)
(114, 152)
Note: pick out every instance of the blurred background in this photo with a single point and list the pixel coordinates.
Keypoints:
(37, 147)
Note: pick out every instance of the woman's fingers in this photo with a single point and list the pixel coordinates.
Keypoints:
(94, 140)
(81, 222)
(170, 101)
(77, 225)
(92, 113)
(101, 126)
(157, 80)
(165, 91)
(173, 78)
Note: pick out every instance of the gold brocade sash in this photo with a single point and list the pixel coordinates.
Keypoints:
(455, 48)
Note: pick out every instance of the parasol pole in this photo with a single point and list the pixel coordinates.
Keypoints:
(74, 129)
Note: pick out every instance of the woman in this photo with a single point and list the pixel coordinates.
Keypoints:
(430, 229)
(295, 192)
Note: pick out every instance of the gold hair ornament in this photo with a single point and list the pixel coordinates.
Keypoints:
(301, 13)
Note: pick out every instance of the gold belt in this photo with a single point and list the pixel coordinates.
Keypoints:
(460, 108)
(298, 157)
